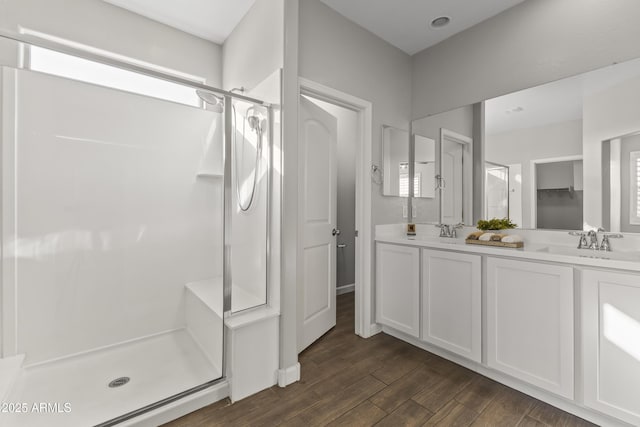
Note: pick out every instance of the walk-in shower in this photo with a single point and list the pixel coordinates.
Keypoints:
(131, 225)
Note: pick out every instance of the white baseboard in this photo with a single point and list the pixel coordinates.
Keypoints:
(289, 375)
(346, 289)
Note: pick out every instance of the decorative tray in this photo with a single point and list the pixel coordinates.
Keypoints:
(494, 243)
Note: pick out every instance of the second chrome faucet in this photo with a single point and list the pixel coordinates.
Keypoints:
(592, 242)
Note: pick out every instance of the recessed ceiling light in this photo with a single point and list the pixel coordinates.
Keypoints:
(440, 21)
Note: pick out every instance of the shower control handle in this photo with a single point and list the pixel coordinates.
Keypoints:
(335, 232)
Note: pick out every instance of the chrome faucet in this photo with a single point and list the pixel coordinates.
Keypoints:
(450, 231)
(605, 245)
(582, 244)
(593, 244)
(593, 235)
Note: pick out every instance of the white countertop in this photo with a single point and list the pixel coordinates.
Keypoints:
(534, 249)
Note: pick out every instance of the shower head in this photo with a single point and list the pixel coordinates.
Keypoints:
(254, 123)
(216, 102)
(255, 119)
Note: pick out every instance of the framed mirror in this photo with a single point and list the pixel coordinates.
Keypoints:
(395, 161)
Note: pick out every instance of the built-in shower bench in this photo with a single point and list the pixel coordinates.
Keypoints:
(251, 352)
(210, 292)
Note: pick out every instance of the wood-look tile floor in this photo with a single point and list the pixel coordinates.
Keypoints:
(382, 381)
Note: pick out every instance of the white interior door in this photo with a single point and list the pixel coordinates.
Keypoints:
(318, 144)
(452, 173)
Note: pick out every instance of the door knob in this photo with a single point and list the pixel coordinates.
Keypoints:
(335, 232)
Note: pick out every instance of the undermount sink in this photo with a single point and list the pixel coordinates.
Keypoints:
(441, 240)
(590, 253)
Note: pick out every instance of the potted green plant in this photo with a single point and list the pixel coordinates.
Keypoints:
(495, 224)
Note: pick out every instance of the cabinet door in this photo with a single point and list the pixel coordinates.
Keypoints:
(398, 287)
(530, 323)
(611, 343)
(451, 302)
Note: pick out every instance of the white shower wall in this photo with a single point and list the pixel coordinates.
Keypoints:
(110, 219)
(249, 228)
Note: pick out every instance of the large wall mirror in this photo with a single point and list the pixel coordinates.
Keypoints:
(564, 155)
(568, 150)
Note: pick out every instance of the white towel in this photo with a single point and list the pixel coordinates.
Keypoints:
(486, 237)
(514, 238)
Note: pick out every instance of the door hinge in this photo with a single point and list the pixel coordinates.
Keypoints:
(356, 233)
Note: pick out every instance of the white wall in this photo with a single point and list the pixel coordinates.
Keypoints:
(535, 42)
(255, 48)
(101, 25)
(608, 114)
(460, 121)
(523, 145)
(253, 58)
(337, 53)
(291, 271)
(325, 47)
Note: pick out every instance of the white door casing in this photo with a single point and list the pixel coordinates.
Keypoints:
(515, 194)
(318, 145)
(451, 202)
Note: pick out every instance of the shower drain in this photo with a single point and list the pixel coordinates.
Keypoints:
(119, 382)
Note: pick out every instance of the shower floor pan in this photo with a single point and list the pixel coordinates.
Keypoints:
(75, 391)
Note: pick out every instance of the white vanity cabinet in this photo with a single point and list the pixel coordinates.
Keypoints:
(530, 323)
(452, 302)
(398, 287)
(611, 343)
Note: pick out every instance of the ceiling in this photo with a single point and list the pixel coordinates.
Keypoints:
(211, 20)
(554, 102)
(405, 23)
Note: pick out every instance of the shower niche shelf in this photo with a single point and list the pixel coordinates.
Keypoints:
(209, 175)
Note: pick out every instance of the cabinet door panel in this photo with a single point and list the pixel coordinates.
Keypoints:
(530, 322)
(451, 302)
(611, 343)
(398, 287)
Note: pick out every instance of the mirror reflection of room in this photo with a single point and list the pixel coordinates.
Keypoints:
(567, 152)
(395, 155)
(424, 182)
(448, 136)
